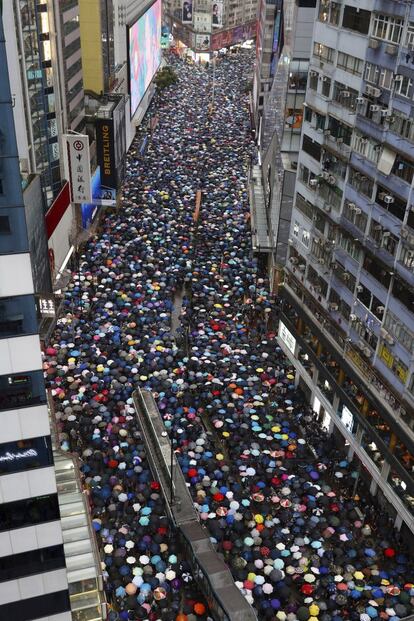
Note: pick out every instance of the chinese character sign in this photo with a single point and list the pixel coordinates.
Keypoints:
(79, 167)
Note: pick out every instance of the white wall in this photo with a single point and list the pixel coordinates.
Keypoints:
(59, 241)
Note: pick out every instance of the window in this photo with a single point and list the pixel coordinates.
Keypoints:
(345, 96)
(402, 125)
(397, 206)
(356, 216)
(348, 244)
(403, 169)
(4, 225)
(340, 130)
(33, 562)
(17, 316)
(323, 52)
(44, 605)
(305, 238)
(22, 390)
(387, 28)
(304, 206)
(306, 175)
(378, 75)
(366, 147)
(28, 512)
(311, 147)
(399, 331)
(329, 12)
(296, 228)
(404, 87)
(409, 41)
(378, 270)
(313, 80)
(356, 19)
(360, 182)
(403, 293)
(326, 86)
(308, 114)
(407, 258)
(349, 63)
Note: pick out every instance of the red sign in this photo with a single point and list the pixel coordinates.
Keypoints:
(58, 208)
(225, 38)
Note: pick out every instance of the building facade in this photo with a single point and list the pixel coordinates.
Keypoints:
(33, 582)
(283, 48)
(205, 26)
(348, 315)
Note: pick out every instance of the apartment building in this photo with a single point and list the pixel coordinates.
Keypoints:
(348, 314)
(33, 582)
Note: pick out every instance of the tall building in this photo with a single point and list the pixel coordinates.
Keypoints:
(348, 315)
(33, 582)
(205, 26)
(284, 41)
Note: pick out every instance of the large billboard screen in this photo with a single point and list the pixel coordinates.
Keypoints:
(144, 39)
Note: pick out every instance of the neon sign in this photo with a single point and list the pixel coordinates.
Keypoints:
(8, 457)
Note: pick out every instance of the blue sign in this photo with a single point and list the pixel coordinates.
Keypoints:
(99, 193)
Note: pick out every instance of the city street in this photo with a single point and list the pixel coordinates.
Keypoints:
(274, 492)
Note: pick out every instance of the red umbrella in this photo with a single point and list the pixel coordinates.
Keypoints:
(389, 552)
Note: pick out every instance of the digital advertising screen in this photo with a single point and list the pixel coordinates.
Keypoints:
(144, 40)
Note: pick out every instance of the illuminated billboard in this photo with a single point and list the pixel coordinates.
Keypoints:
(144, 41)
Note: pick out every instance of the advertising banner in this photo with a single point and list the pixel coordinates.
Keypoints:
(105, 152)
(202, 42)
(78, 159)
(187, 11)
(225, 38)
(217, 14)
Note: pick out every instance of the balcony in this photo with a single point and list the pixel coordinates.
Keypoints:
(336, 145)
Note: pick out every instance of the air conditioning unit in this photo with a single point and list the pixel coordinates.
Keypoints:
(351, 206)
(345, 94)
(325, 78)
(346, 276)
(380, 309)
(386, 113)
(334, 266)
(339, 140)
(378, 227)
(326, 132)
(367, 352)
(388, 199)
(390, 340)
(333, 306)
(357, 211)
(326, 208)
(391, 50)
(374, 108)
(294, 260)
(326, 175)
(404, 233)
(352, 317)
(302, 267)
(398, 78)
(383, 333)
(359, 288)
(374, 43)
(386, 234)
(360, 101)
(313, 183)
(321, 261)
(361, 345)
(317, 288)
(313, 74)
(372, 91)
(332, 179)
